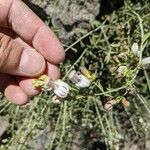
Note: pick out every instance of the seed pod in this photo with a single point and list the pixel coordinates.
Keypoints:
(125, 102)
(74, 77)
(135, 49)
(109, 105)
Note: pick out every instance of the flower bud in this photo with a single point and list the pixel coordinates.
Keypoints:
(145, 62)
(135, 49)
(79, 80)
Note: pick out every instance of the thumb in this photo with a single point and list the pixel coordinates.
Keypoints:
(17, 59)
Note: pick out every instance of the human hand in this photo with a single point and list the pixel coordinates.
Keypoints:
(27, 49)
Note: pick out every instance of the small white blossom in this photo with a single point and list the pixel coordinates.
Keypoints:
(121, 70)
(61, 89)
(141, 120)
(79, 79)
(135, 49)
(145, 62)
(84, 81)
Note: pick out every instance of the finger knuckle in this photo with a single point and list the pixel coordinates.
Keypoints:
(10, 53)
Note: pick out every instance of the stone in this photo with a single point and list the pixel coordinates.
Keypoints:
(68, 15)
(4, 124)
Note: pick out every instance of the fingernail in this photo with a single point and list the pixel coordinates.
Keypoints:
(31, 63)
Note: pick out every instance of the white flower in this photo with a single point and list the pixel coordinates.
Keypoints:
(141, 120)
(79, 79)
(61, 89)
(135, 49)
(145, 62)
(121, 70)
(84, 81)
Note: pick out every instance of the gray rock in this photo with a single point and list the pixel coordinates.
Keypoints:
(41, 140)
(4, 124)
(67, 15)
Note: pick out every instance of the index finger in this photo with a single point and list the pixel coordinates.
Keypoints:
(15, 14)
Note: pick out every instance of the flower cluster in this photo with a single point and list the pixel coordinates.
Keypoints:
(81, 79)
(60, 88)
(145, 63)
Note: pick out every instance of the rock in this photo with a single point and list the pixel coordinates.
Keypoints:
(4, 124)
(41, 140)
(67, 15)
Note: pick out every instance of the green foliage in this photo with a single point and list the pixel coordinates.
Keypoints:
(82, 117)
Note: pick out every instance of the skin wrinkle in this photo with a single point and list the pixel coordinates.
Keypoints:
(34, 35)
(4, 51)
(10, 51)
(18, 24)
(4, 4)
(9, 12)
